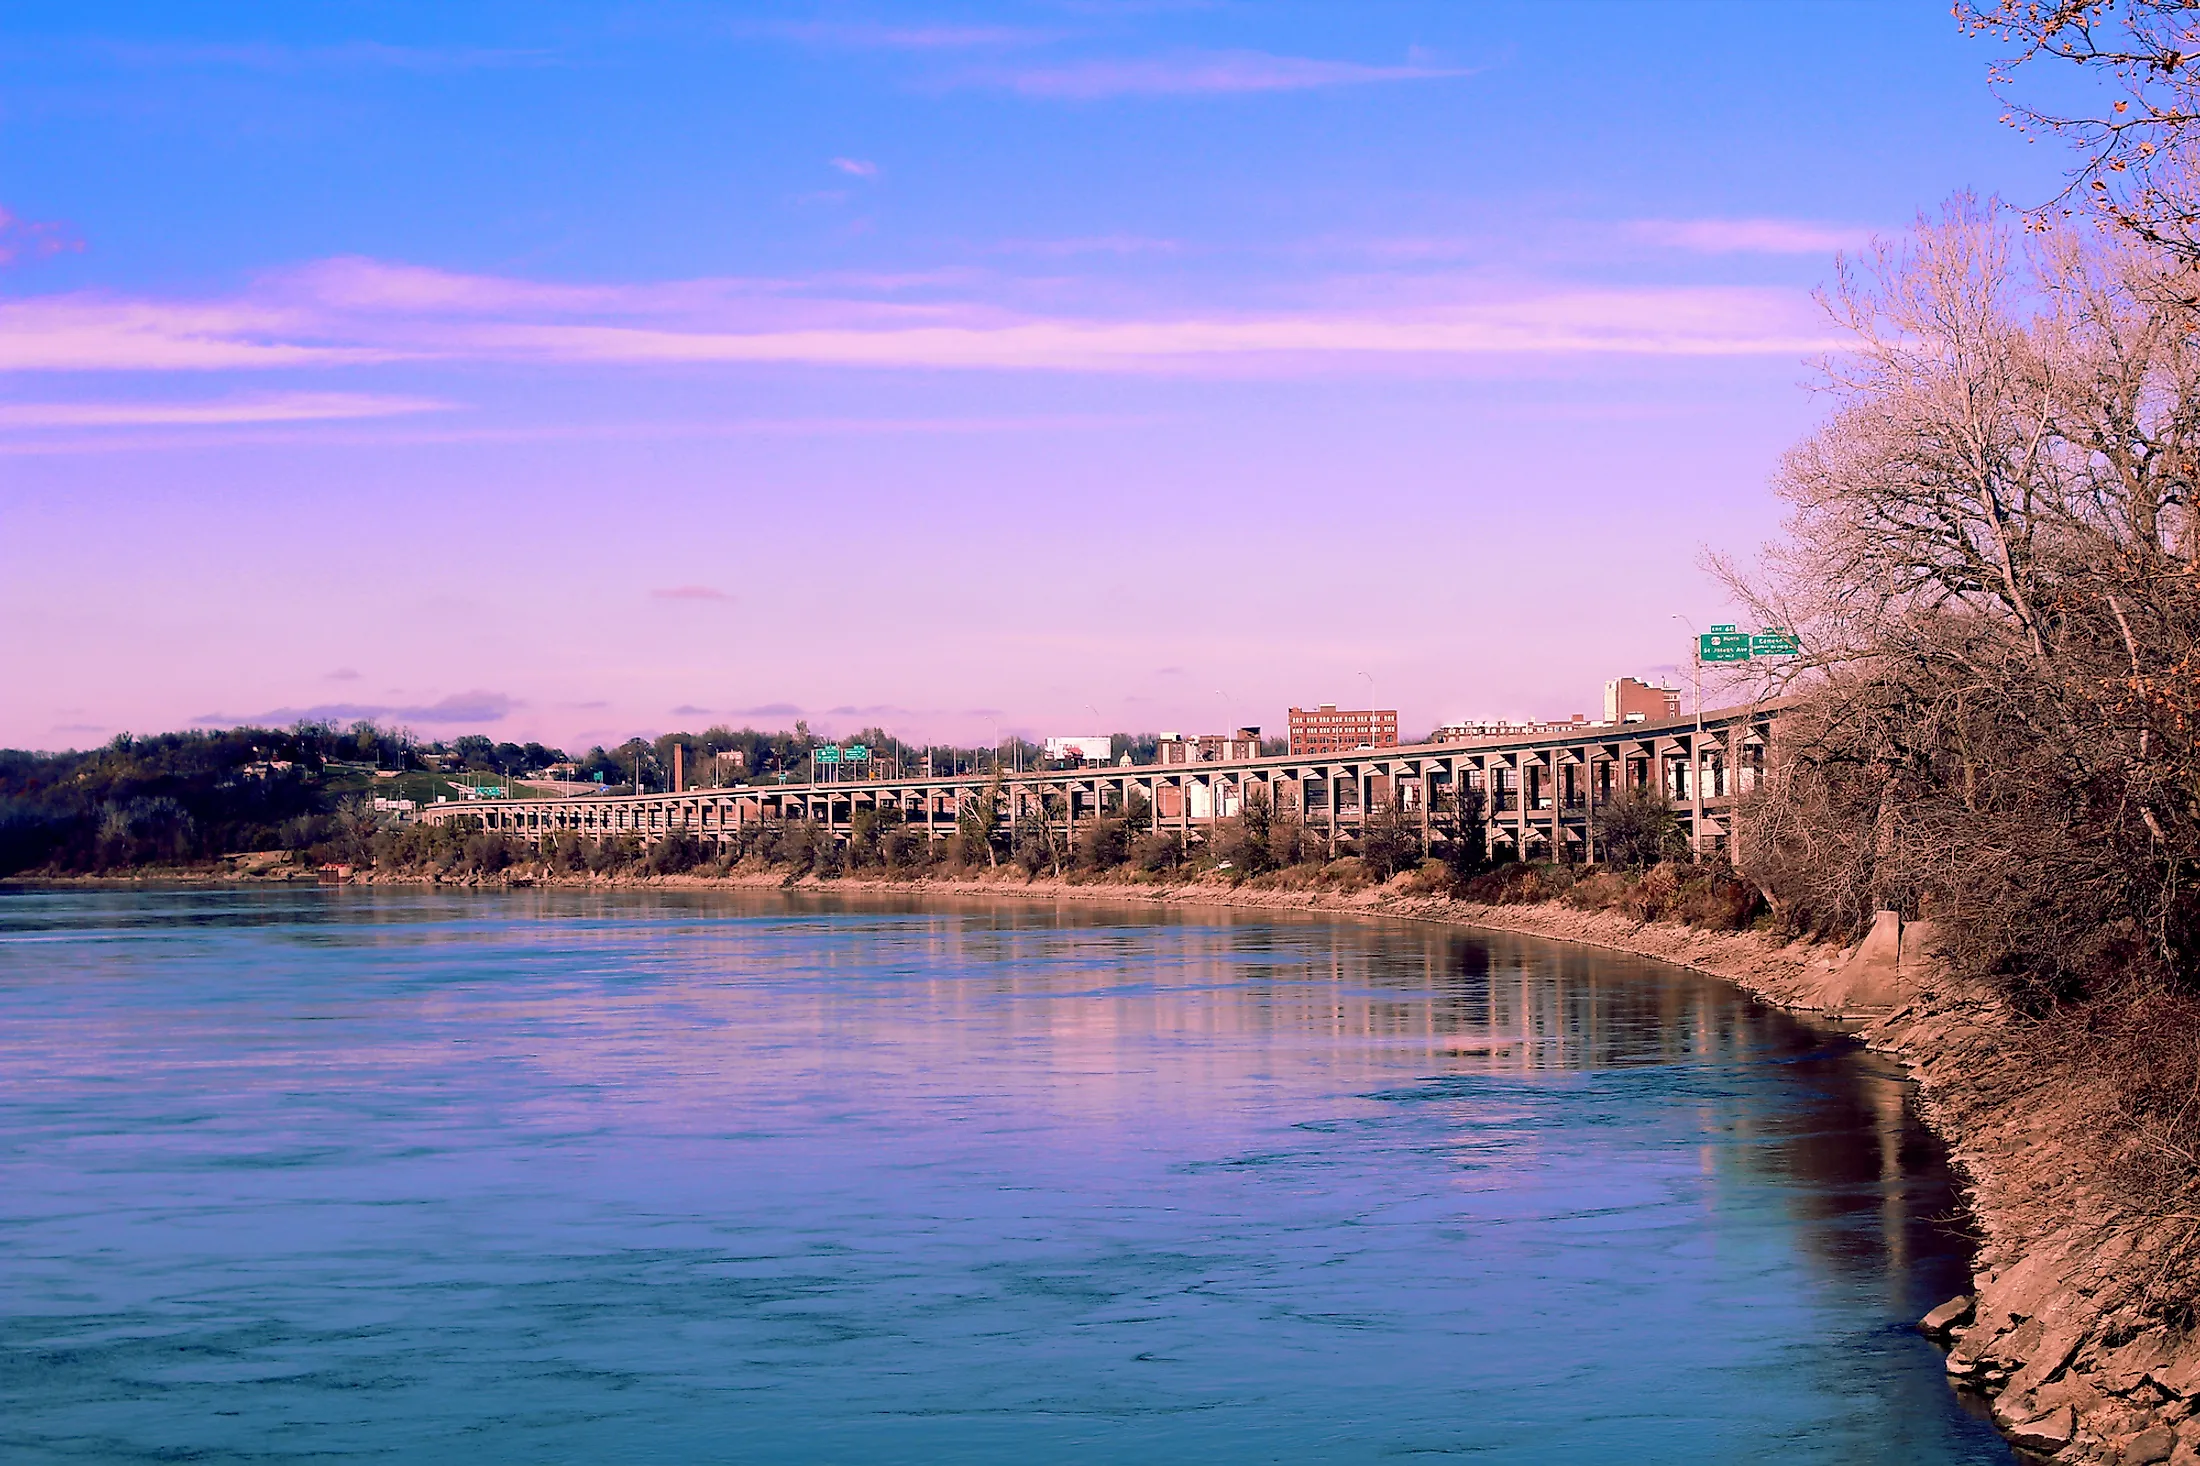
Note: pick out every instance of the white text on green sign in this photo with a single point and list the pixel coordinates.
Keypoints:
(1722, 643)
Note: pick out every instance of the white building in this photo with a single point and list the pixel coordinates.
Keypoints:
(1081, 748)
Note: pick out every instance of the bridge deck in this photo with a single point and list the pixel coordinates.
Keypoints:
(1540, 793)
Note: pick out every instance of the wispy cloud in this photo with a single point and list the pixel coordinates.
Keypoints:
(97, 441)
(1208, 73)
(692, 593)
(85, 332)
(35, 239)
(876, 37)
(351, 313)
(1091, 244)
(276, 57)
(1655, 322)
(461, 707)
(384, 287)
(276, 407)
(1408, 249)
(1749, 236)
(856, 167)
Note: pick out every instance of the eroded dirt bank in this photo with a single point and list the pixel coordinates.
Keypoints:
(2082, 1362)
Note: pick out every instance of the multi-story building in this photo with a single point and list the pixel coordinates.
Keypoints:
(1507, 728)
(1328, 729)
(1626, 700)
(1629, 701)
(1209, 748)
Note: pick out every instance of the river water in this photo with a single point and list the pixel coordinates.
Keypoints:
(366, 1175)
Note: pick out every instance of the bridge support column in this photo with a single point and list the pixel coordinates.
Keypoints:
(1558, 805)
(1520, 806)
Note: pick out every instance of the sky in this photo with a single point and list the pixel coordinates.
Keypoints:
(571, 372)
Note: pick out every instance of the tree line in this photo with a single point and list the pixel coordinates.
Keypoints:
(174, 799)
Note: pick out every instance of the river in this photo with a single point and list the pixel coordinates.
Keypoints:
(408, 1176)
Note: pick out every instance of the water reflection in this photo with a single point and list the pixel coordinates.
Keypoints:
(696, 1176)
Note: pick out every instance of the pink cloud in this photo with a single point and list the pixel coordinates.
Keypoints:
(95, 440)
(100, 333)
(278, 407)
(35, 239)
(1749, 236)
(856, 167)
(353, 283)
(461, 707)
(1208, 73)
(1667, 322)
(350, 312)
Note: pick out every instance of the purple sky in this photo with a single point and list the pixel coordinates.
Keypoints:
(1057, 367)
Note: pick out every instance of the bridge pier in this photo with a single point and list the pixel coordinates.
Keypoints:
(1578, 770)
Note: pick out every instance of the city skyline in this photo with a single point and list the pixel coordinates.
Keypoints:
(585, 374)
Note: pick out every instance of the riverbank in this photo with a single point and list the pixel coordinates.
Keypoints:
(2082, 1362)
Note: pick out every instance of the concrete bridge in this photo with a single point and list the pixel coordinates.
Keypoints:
(1541, 793)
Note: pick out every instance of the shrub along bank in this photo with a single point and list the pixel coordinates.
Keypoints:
(1253, 852)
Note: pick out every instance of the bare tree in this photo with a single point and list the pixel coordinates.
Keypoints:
(1457, 813)
(1989, 561)
(2135, 131)
(979, 818)
(1639, 828)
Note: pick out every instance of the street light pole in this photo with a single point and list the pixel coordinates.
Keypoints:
(1695, 745)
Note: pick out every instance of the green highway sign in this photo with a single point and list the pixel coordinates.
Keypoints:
(1775, 641)
(857, 754)
(827, 755)
(1722, 643)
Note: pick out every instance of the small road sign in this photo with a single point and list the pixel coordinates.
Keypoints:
(1775, 641)
(856, 753)
(827, 755)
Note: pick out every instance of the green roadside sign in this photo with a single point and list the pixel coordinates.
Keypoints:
(827, 755)
(1722, 643)
(857, 754)
(1775, 641)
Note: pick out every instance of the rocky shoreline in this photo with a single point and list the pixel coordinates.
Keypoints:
(2080, 1362)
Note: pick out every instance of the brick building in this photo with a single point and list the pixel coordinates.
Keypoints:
(1629, 701)
(1326, 729)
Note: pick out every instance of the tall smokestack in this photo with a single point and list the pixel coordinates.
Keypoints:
(679, 768)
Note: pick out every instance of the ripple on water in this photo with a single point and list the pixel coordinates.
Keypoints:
(551, 1176)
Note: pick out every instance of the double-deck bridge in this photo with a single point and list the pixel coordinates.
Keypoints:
(1541, 793)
